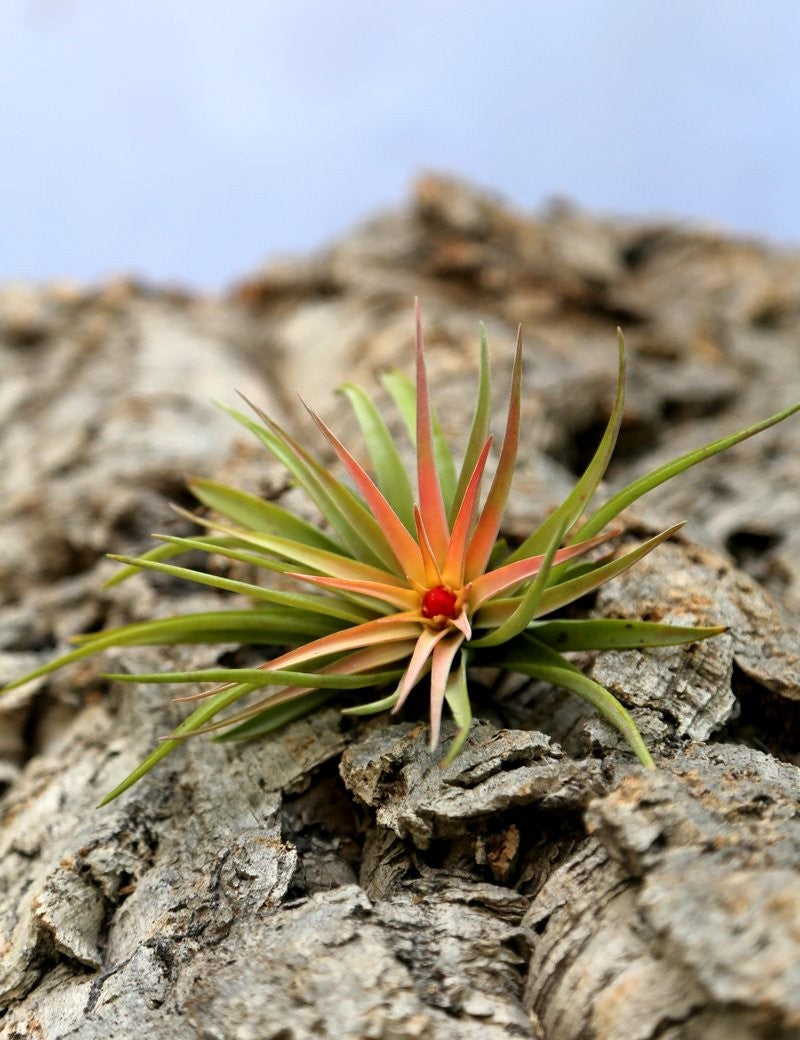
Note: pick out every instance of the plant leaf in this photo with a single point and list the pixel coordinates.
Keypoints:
(572, 589)
(479, 432)
(633, 491)
(405, 550)
(294, 601)
(209, 544)
(431, 497)
(391, 475)
(528, 604)
(373, 707)
(231, 626)
(441, 662)
(433, 575)
(455, 562)
(457, 696)
(257, 513)
(330, 563)
(485, 535)
(402, 391)
(576, 502)
(615, 634)
(497, 611)
(506, 577)
(541, 662)
(357, 663)
(349, 517)
(381, 630)
(257, 677)
(277, 717)
(405, 599)
(419, 663)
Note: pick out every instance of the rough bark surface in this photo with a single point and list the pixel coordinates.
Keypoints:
(333, 880)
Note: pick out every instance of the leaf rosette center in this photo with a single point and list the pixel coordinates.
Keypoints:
(440, 605)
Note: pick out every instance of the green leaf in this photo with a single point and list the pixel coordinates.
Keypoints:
(257, 677)
(207, 710)
(633, 491)
(457, 696)
(258, 625)
(296, 602)
(346, 513)
(497, 611)
(404, 395)
(357, 605)
(484, 538)
(480, 427)
(530, 602)
(576, 502)
(567, 591)
(259, 514)
(233, 626)
(541, 662)
(209, 544)
(319, 560)
(243, 553)
(384, 704)
(615, 634)
(277, 717)
(391, 475)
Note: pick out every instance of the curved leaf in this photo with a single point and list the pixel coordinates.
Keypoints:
(391, 474)
(257, 677)
(479, 431)
(457, 696)
(633, 491)
(294, 601)
(529, 603)
(259, 513)
(541, 662)
(615, 634)
(275, 718)
(581, 495)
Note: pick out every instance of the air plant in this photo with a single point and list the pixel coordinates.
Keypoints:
(400, 587)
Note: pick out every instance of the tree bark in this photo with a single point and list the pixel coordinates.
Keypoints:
(333, 879)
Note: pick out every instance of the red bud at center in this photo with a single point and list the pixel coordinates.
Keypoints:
(439, 601)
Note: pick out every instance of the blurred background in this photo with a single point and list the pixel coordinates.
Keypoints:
(188, 141)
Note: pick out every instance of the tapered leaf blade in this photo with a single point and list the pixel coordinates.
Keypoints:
(295, 602)
(457, 696)
(349, 517)
(198, 718)
(616, 634)
(249, 626)
(258, 677)
(257, 513)
(530, 602)
(390, 472)
(577, 501)
(485, 535)
(541, 662)
(271, 719)
(633, 491)
(404, 550)
(373, 707)
(479, 431)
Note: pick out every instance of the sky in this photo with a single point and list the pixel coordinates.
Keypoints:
(188, 141)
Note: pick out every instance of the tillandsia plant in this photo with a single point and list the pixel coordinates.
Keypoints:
(404, 587)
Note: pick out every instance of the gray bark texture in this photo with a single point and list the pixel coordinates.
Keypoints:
(333, 880)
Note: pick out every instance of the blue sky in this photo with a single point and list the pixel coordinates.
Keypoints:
(188, 140)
